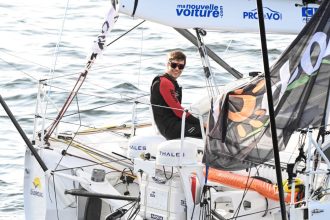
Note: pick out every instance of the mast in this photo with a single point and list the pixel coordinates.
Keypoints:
(23, 135)
(271, 106)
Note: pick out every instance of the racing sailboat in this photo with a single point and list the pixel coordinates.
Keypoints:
(147, 177)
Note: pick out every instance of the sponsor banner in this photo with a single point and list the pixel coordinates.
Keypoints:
(307, 13)
(199, 10)
(269, 14)
(36, 191)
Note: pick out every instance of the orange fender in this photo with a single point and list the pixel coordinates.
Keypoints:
(238, 181)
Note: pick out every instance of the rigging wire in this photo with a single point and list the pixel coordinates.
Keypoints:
(24, 59)
(57, 46)
(56, 51)
(132, 215)
(99, 96)
(125, 33)
(90, 165)
(253, 213)
(14, 66)
(300, 143)
(75, 134)
(95, 153)
(121, 211)
(55, 194)
(228, 46)
(246, 189)
(141, 51)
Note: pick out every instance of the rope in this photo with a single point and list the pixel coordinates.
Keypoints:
(125, 33)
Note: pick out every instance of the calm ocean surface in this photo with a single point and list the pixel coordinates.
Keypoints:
(29, 32)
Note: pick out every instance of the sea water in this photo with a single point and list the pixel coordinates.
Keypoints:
(29, 33)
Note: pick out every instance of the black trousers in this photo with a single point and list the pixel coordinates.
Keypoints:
(173, 131)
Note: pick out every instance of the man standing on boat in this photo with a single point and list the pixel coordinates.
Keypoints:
(166, 97)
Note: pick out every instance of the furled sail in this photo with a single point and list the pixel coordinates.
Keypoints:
(239, 132)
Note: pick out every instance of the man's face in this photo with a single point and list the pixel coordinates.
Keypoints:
(175, 68)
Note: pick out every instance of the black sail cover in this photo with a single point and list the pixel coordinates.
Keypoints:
(239, 132)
